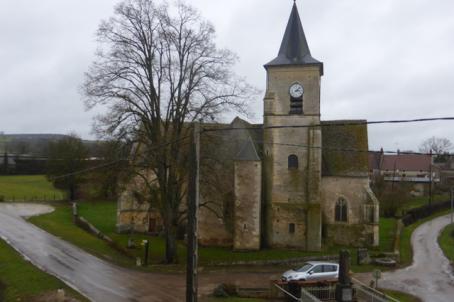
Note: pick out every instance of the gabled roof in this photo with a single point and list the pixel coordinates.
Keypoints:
(294, 48)
(406, 162)
(248, 152)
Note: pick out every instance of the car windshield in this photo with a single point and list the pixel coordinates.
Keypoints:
(304, 268)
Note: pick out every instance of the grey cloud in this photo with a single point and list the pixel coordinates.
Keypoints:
(383, 59)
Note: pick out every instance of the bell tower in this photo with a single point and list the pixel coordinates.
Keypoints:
(292, 150)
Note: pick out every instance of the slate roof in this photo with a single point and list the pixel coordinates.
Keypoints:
(344, 151)
(294, 48)
(345, 146)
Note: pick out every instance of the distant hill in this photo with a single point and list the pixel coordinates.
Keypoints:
(35, 144)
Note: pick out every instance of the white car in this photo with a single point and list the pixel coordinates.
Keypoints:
(313, 270)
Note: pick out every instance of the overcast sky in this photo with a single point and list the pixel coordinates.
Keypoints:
(383, 59)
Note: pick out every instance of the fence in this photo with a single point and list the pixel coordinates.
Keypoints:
(369, 294)
(29, 198)
(321, 293)
(361, 293)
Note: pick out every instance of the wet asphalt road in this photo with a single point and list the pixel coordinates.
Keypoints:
(431, 276)
(96, 279)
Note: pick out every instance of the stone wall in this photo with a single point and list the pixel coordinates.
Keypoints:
(247, 211)
(361, 227)
(136, 216)
(292, 196)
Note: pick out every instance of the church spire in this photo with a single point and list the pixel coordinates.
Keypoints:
(294, 48)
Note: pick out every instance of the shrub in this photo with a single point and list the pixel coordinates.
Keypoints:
(2, 199)
(2, 291)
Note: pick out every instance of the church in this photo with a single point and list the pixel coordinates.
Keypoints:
(294, 181)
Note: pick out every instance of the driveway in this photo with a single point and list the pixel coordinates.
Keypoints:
(96, 279)
(430, 277)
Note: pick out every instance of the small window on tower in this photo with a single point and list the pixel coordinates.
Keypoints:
(293, 162)
(291, 228)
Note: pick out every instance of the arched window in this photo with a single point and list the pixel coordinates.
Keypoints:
(291, 228)
(341, 210)
(293, 162)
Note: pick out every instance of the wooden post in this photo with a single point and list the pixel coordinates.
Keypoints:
(193, 205)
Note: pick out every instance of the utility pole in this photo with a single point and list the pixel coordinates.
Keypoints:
(430, 184)
(193, 206)
(452, 205)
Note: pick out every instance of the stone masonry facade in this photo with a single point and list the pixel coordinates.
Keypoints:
(294, 181)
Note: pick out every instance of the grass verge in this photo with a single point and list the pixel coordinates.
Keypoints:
(102, 214)
(406, 250)
(446, 242)
(23, 281)
(27, 188)
(402, 297)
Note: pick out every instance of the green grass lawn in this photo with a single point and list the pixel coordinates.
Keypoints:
(103, 216)
(402, 297)
(23, 280)
(419, 201)
(446, 241)
(387, 234)
(60, 223)
(27, 188)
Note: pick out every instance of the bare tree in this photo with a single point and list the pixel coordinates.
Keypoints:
(65, 157)
(436, 145)
(157, 70)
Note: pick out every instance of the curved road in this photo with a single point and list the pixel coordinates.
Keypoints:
(96, 279)
(430, 277)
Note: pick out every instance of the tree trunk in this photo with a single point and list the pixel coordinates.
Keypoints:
(171, 243)
(72, 192)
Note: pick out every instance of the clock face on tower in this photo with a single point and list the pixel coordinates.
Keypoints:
(296, 90)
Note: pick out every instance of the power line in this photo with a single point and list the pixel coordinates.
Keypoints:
(336, 124)
(336, 149)
(113, 162)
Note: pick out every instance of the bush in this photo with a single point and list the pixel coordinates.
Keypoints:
(2, 291)
(225, 290)
(390, 201)
(416, 214)
(2, 199)
(220, 292)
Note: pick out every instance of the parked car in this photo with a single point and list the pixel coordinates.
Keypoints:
(313, 270)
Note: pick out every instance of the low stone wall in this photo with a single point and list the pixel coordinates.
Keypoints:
(290, 261)
(88, 227)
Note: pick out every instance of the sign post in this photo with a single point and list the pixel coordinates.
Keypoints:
(377, 275)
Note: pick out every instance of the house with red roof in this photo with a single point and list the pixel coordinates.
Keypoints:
(418, 169)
